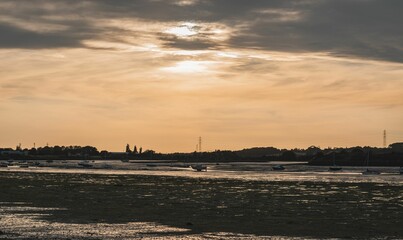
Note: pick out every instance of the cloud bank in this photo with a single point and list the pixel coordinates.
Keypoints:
(368, 29)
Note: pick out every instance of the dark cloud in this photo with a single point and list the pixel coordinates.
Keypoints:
(14, 37)
(357, 28)
(206, 10)
(367, 29)
(43, 24)
(187, 44)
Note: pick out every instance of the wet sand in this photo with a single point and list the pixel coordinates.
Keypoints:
(54, 203)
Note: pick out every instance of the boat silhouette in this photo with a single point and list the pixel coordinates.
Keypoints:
(370, 171)
(335, 167)
(199, 167)
(278, 168)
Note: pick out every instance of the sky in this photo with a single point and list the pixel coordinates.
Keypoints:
(238, 73)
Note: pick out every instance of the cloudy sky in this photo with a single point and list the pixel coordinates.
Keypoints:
(239, 73)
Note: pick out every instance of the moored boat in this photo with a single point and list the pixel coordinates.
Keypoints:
(335, 167)
(199, 167)
(85, 164)
(370, 171)
(278, 168)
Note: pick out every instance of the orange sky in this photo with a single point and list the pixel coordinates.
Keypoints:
(162, 82)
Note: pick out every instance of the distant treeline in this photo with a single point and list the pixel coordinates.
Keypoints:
(354, 156)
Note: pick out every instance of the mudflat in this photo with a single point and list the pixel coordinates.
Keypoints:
(182, 207)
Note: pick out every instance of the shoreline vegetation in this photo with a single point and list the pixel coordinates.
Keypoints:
(353, 156)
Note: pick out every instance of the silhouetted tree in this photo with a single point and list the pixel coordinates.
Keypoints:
(135, 149)
(313, 150)
(319, 154)
(289, 156)
(257, 152)
(32, 151)
(128, 148)
(44, 151)
(149, 154)
(397, 147)
(88, 150)
(104, 153)
(57, 150)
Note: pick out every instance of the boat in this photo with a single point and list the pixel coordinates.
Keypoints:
(3, 164)
(278, 168)
(199, 167)
(85, 164)
(370, 171)
(335, 167)
(401, 170)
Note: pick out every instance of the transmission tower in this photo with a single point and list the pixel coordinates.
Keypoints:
(200, 146)
(384, 138)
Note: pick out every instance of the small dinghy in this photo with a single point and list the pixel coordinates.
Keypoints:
(370, 171)
(199, 167)
(334, 167)
(278, 168)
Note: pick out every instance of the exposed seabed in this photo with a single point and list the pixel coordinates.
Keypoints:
(229, 201)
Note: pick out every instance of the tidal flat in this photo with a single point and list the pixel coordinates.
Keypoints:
(46, 205)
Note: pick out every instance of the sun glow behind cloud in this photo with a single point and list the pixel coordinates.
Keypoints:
(184, 30)
(189, 67)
